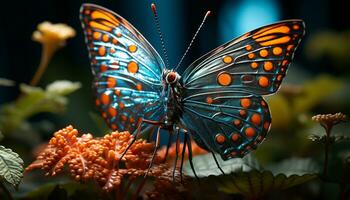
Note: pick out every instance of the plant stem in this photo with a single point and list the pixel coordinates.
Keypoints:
(46, 55)
(326, 151)
(6, 191)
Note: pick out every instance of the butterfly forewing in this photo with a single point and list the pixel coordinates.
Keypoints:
(127, 69)
(222, 89)
(255, 62)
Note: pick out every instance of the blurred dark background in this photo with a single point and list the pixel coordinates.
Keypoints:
(19, 55)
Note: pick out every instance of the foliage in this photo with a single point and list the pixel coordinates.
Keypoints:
(11, 166)
(6, 82)
(34, 100)
(246, 177)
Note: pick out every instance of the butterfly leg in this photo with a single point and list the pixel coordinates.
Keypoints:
(183, 156)
(155, 151)
(189, 147)
(170, 138)
(217, 163)
(176, 150)
(138, 130)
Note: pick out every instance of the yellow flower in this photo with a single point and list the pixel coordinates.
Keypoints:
(53, 33)
(52, 37)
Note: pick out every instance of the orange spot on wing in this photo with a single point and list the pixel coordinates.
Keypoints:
(114, 41)
(254, 65)
(121, 105)
(220, 138)
(296, 27)
(103, 68)
(124, 117)
(290, 47)
(96, 35)
(111, 82)
(237, 122)
(262, 39)
(256, 119)
(264, 53)
(117, 92)
(266, 125)
(279, 77)
(104, 99)
(102, 51)
(281, 40)
(99, 26)
(264, 81)
(97, 102)
(109, 24)
(112, 50)
(227, 59)
(271, 30)
(277, 51)
(105, 37)
(245, 103)
(132, 48)
(268, 66)
(209, 100)
(284, 62)
(235, 137)
(86, 12)
(251, 55)
(224, 79)
(133, 67)
(249, 132)
(114, 127)
(104, 115)
(112, 111)
(242, 113)
(249, 47)
(97, 14)
(139, 86)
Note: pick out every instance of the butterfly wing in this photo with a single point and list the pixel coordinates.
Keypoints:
(222, 90)
(126, 67)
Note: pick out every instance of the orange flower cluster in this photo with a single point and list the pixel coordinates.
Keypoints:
(98, 159)
(196, 150)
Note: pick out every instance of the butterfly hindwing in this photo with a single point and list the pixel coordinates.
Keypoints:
(126, 67)
(222, 89)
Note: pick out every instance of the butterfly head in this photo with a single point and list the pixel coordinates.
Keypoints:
(171, 77)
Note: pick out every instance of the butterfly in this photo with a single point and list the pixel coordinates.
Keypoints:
(217, 101)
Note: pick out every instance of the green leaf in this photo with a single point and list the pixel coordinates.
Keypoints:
(63, 87)
(256, 184)
(11, 166)
(34, 100)
(205, 165)
(6, 82)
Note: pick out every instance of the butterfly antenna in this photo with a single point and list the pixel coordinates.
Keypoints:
(193, 38)
(154, 10)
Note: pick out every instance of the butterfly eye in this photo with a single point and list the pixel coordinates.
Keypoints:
(171, 77)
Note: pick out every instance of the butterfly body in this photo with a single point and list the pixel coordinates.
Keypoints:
(217, 100)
